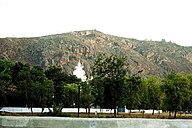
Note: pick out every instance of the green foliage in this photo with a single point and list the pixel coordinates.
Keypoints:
(69, 90)
(133, 92)
(176, 89)
(154, 92)
(86, 96)
(110, 66)
(97, 91)
(2, 92)
(6, 69)
(25, 85)
(5, 79)
(109, 72)
(187, 106)
(72, 58)
(45, 94)
(64, 86)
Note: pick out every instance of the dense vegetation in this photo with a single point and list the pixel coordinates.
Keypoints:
(112, 86)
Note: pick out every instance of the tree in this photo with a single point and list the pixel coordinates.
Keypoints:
(32, 87)
(45, 94)
(63, 84)
(133, 92)
(144, 94)
(110, 71)
(2, 94)
(154, 92)
(23, 83)
(5, 79)
(97, 91)
(187, 106)
(70, 90)
(176, 90)
(86, 96)
(58, 77)
(41, 88)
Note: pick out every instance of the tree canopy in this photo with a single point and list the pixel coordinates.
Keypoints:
(109, 72)
(176, 90)
(24, 85)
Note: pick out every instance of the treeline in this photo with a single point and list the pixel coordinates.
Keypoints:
(112, 86)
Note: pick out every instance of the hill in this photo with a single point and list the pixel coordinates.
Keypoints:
(65, 50)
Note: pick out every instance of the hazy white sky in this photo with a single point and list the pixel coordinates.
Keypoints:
(140, 19)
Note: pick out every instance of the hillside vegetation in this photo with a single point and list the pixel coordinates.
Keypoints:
(65, 50)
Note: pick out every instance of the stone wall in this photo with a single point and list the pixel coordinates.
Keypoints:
(62, 122)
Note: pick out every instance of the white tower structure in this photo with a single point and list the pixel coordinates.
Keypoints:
(79, 72)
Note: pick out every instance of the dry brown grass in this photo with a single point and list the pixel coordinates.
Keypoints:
(164, 115)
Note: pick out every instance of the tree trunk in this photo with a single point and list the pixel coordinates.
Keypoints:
(86, 110)
(115, 112)
(143, 112)
(89, 111)
(153, 112)
(169, 113)
(175, 115)
(32, 110)
(42, 109)
(130, 112)
(78, 99)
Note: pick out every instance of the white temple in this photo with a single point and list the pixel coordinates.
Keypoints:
(79, 72)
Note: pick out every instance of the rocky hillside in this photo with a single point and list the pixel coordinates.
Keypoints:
(153, 57)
